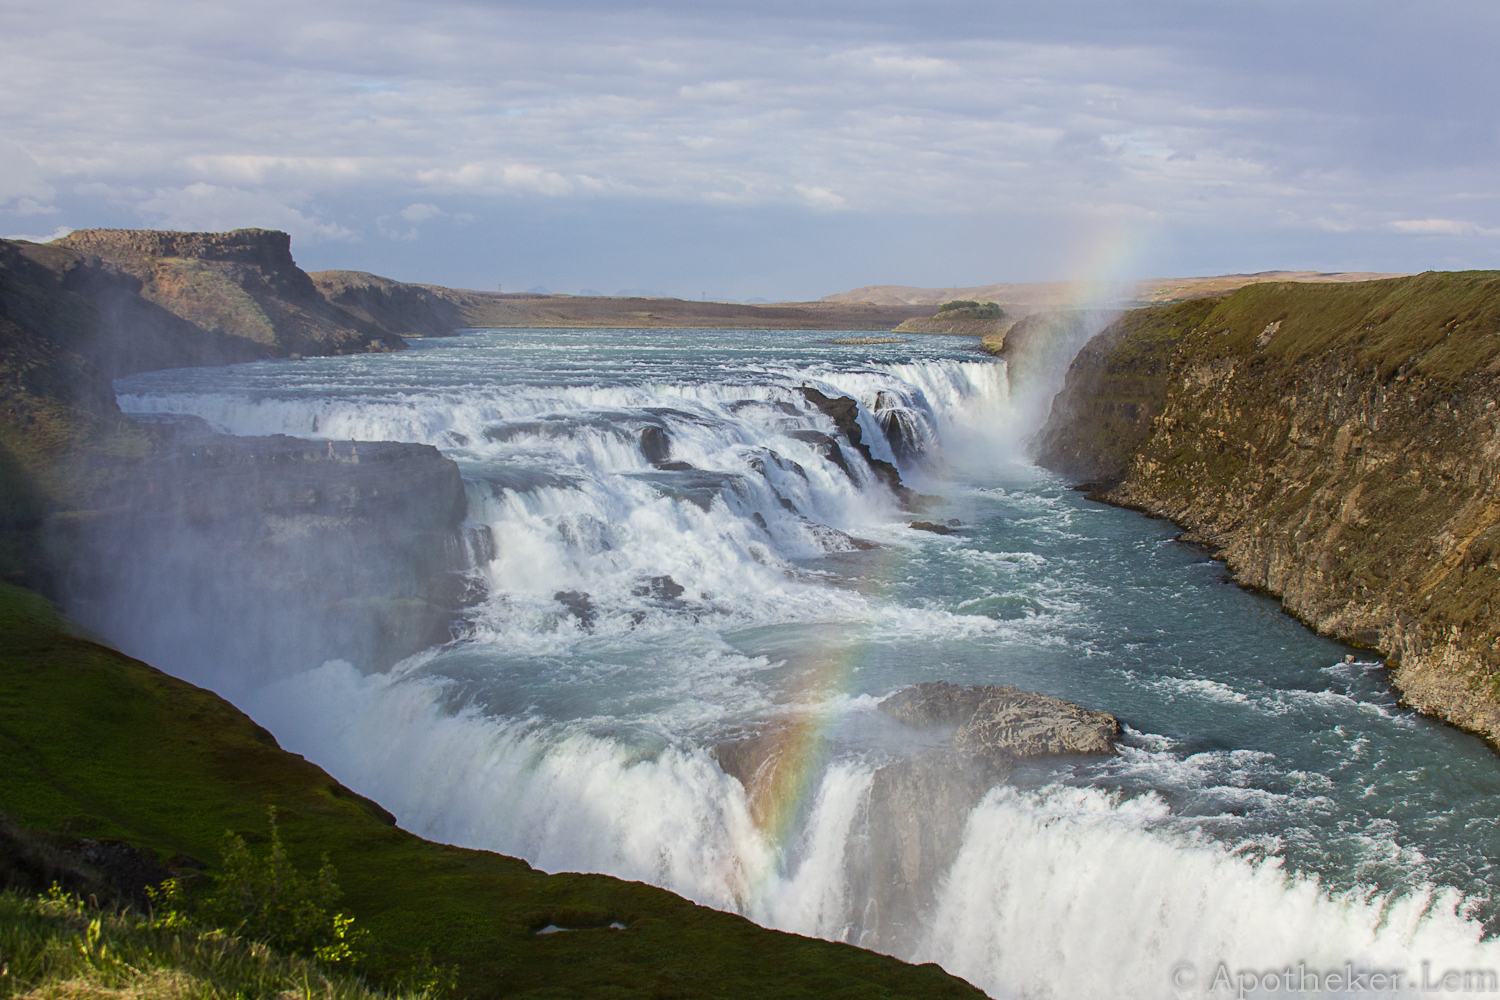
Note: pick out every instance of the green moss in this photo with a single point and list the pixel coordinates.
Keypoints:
(90, 738)
(209, 298)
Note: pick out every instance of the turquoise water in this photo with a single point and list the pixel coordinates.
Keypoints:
(1271, 803)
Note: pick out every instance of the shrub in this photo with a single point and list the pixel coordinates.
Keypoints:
(264, 898)
(968, 307)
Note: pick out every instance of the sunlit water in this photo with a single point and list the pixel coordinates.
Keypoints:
(1271, 804)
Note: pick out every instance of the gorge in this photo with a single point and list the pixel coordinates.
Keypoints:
(663, 607)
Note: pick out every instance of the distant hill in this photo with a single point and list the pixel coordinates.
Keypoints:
(430, 310)
(1024, 297)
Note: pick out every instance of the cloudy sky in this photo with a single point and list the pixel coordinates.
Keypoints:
(767, 148)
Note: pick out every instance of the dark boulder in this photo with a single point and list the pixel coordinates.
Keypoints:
(656, 445)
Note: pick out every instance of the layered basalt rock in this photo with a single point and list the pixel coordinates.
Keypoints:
(1336, 445)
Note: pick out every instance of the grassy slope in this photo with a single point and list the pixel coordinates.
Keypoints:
(1440, 325)
(103, 745)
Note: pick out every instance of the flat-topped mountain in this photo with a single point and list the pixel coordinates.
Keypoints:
(241, 284)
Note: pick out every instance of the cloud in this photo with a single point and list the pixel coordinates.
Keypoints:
(207, 207)
(23, 188)
(820, 197)
(420, 212)
(320, 119)
(56, 234)
(1441, 227)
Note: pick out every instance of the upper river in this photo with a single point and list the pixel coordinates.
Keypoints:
(1271, 804)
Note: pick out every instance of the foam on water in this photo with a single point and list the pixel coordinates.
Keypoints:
(1058, 892)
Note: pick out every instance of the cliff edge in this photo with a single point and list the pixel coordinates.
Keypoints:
(1336, 445)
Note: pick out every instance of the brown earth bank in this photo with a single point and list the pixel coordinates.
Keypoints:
(1336, 445)
(958, 326)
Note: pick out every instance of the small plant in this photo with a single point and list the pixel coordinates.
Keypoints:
(264, 898)
(58, 947)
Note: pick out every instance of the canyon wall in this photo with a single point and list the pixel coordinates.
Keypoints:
(1336, 445)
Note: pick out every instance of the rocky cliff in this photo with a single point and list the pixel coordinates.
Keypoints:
(242, 284)
(1336, 445)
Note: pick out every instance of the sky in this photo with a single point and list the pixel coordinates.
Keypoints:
(767, 148)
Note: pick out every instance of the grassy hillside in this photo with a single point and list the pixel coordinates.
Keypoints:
(96, 744)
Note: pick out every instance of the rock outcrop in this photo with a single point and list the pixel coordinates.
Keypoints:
(1335, 445)
(844, 412)
(190, 547)
(919, 805)
(62, 300)
(913, 821)
(1001, 723)
(242, 284)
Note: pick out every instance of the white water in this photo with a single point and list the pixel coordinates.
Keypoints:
(584, 746)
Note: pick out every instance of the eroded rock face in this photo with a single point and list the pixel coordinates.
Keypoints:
(914, 818)
(1338, 446)
(396, 306)
(919, 806)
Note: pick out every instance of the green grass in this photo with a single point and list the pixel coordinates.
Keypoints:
(99, 744)
(1441, 325)
(57, 948)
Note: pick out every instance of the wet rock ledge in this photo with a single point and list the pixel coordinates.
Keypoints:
(1001, 724)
